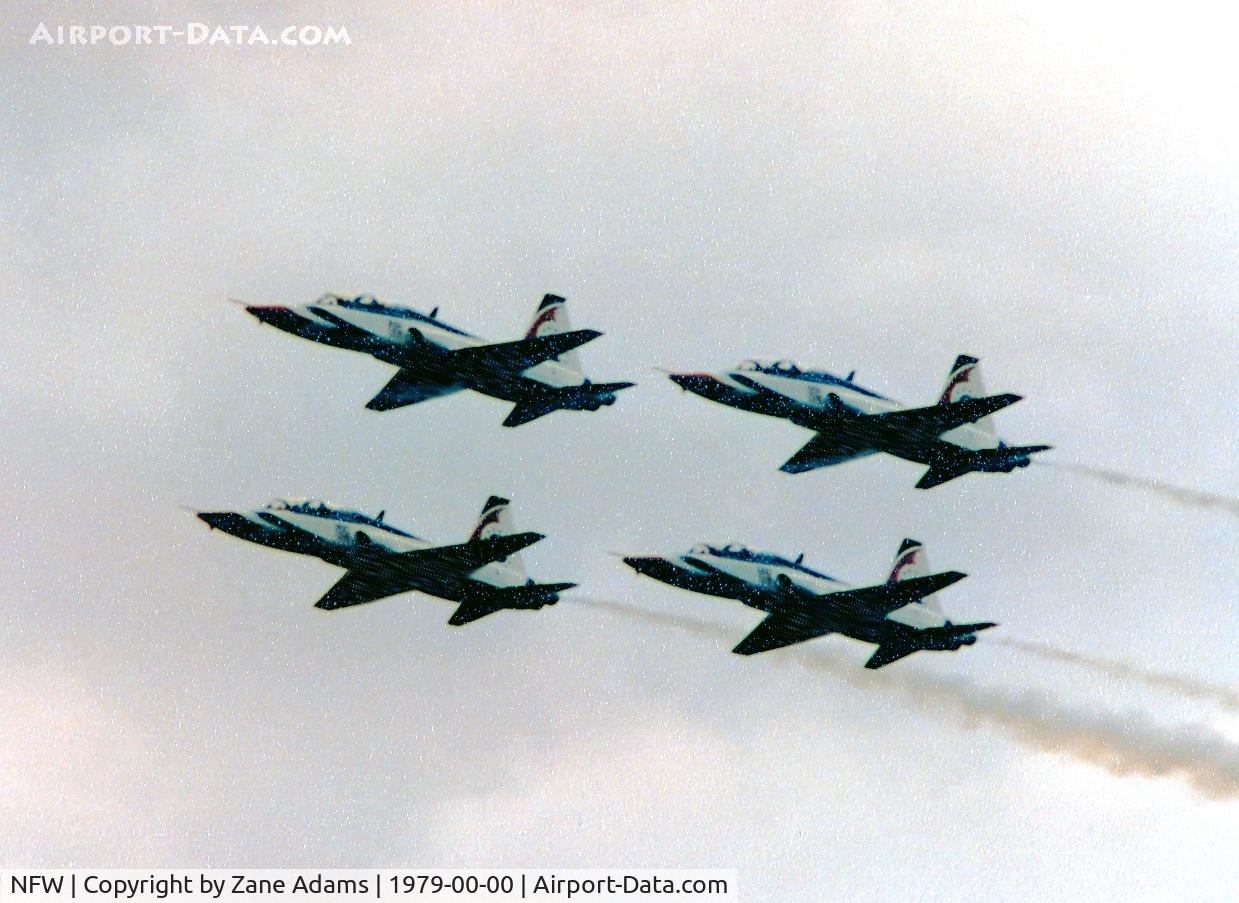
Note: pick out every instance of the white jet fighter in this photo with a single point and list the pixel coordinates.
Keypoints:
(539, 372)
(484, 574)
(802, 604)
(954, 436)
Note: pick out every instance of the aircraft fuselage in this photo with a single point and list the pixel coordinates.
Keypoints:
(344, 538)
(774, 585)
(420, 344)
(817, 401)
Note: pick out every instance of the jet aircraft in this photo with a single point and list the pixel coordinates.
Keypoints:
(539, 372)
(954, 436)
(802, 604)
(484, 574)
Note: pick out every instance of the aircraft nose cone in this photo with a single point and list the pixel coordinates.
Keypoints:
(693, 382)
(642, 565)
(216, 520)
(272, 314)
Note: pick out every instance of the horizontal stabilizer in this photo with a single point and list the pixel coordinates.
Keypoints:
(962, 630)
(526, 411)
(889, 652)
(1025, 450)
(587, 396)
(472, 610)
(481, 602)
(941, 473)
(986, 460)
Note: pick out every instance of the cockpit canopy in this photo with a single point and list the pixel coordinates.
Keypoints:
(333, 300)
(782, 366)
(302, 505)
(737, 552)
(792, 370)
(373, 305)
(319, 508)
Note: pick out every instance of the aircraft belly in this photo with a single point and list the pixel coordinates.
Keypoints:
(445, 585)
(916, 616)
(877, 631)
(969, 437)
(497, 574)
(553, 374)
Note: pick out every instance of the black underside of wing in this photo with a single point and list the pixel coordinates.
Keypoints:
(376, 575)
(406, 388)
(934, 420)
(784, 628)
(514, 357)
(881, 600)
(831, 447)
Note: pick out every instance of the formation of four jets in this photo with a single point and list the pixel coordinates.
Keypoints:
(539, 373)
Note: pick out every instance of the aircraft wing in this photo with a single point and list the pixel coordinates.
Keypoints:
(941, 418)
(814, 616)
(781, 629)
(377, 575)
(358, 587)
(406, 388)
(825, 449)
(515, 357)
(887, 597)
(857, 435)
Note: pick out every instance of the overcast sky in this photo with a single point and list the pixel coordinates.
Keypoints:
(864, 186)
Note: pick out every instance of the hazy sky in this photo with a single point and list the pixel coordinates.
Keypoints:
(870, 186)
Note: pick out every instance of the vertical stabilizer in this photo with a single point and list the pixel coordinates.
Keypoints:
(912, 561)
(964, 382)
(550, 319)
(496, 520)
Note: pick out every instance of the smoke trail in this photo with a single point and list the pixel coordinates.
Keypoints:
(1127, 744)
(1184, 496)
(1190, 687)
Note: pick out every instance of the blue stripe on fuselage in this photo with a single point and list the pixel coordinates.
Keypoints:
(769, 559)
(402, 312)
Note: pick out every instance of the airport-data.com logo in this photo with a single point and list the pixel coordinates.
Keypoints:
(191, 33)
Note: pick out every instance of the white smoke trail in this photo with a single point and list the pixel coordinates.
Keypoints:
(1190, 687)
(1127, 744)
(1184, 496)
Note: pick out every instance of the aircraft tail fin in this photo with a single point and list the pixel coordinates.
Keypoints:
(965, 382)
(551, 318)
(912, 561)
(496, 520)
